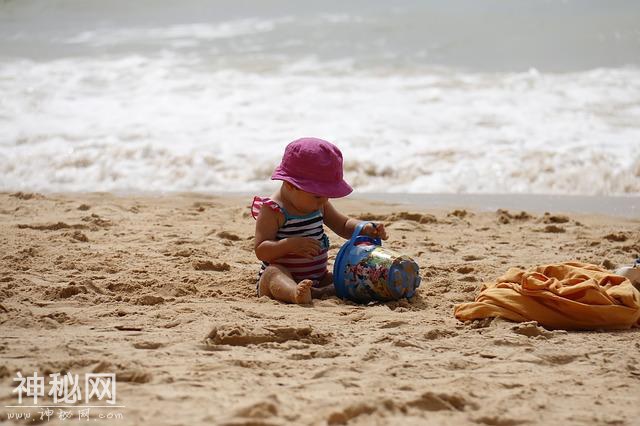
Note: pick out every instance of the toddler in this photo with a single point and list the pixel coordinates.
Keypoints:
(290, 239)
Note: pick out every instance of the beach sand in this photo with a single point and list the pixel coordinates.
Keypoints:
(161, 291)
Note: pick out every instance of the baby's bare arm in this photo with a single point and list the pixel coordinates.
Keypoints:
(265, 245)
(337, 222)
(267, 248)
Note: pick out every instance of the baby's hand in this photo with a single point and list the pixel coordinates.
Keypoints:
(304, 246)
(375, 231)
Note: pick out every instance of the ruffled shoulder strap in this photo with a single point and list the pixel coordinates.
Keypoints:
(258, 202)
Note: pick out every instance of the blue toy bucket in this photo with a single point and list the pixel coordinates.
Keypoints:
(364, 271)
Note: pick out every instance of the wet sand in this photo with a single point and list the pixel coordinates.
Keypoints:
(161, 291)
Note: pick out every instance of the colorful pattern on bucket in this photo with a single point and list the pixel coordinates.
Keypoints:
(370, 280)
(364, 271)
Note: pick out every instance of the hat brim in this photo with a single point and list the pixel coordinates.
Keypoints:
(337, 189)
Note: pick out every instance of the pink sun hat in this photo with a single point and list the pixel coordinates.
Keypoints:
(313, 165)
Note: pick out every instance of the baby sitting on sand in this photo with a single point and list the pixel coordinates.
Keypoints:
(290, 239)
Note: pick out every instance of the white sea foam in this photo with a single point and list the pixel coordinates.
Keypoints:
(166, 123)
(210, 106)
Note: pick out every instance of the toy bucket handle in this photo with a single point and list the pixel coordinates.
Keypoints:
(358, 229)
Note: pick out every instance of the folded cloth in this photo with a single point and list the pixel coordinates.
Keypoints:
(568, 296)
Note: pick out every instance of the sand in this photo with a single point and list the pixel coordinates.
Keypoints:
(161, 291)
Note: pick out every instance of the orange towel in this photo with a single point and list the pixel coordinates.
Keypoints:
(566, 296)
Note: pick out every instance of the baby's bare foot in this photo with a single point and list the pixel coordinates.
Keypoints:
(303, 292)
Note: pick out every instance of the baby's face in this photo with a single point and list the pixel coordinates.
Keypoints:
(307, 202)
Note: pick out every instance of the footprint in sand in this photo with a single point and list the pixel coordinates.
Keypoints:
(149, 300)
(27, 253)
(505, 217)
(188, 252)
(228, 236)
(431, 401)
(60, 317)
(148, 345)
(439, 333)
(471, 258)
(48, 323)
(553, 229)
(428, 401)
(374, 353)
(314, 355)
(555, 359)
(549, 218)
(51, 226)
(511, 341)
(349, 413)
(469, 288)
(465, 270)
(499, 420)
(97, 222)
(392, 324)
(71, 290)
(258, 410)
(207, 265)
(460, 214)
(27, 195)
(616, 237)
(531, 329)
(242, 336)
(77, 236)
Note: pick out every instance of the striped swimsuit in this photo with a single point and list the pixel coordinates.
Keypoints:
(310, 225)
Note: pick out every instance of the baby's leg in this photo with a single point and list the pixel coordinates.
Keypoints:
(325, 288)
(276, 282)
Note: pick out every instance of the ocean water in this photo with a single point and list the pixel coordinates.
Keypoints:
(473, 96)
